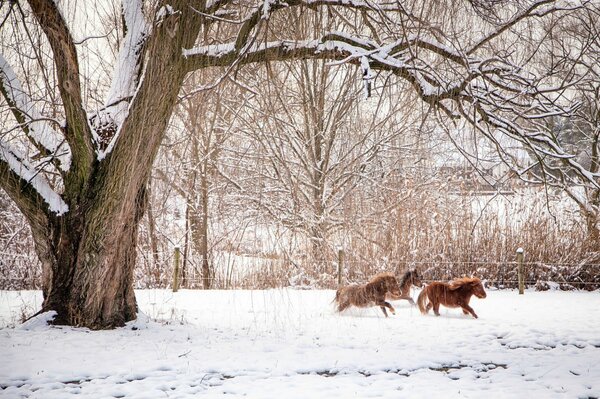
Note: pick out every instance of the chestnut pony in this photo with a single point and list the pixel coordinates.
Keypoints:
(455, 294)
(370, 294)
(410, 278)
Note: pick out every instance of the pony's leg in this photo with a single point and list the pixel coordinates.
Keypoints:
(343, 306)
(436, 308)
(470, 310)
(389, 305)
(428, 307)
(411, 301)
(383, 304)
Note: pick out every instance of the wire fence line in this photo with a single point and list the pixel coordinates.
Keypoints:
(245, 271)
(501, 274)
(428, 281)
(539, 263)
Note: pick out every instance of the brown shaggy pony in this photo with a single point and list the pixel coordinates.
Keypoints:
(370, 294)
(410, 278)
(455, 294)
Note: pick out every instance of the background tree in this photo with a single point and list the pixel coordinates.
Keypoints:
(209, 125)
(574, 56)
(315, 146)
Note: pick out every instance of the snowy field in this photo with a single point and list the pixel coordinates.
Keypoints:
(291, 344)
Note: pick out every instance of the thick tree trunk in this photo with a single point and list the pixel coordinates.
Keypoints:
(83, 292)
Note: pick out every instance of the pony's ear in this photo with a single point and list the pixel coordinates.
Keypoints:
(475, 281)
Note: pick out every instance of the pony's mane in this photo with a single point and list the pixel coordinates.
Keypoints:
(381, 276)
(460, 282)
(406, 276)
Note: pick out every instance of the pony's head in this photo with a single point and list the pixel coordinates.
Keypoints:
(415, 278)
(478, 290)
(472, 283)
(389, 283)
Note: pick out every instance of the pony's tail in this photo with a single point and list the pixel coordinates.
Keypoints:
(422, 300)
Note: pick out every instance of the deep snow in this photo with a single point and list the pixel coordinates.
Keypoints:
(291, 344)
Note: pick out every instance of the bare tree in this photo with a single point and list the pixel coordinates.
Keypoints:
(574, 56)
(316, 145)
(209, 125)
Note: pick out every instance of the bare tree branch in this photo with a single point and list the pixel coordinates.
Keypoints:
(77, 130)
(40, 131)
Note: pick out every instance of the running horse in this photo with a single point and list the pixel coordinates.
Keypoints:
(371, 294)
(410, 278)
(455, 294)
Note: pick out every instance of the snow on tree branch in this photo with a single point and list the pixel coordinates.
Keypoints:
(19, 165)
(38, 129)
(126, 77)
(367, 76)
(505, 97)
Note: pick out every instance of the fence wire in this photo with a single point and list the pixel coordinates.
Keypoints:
(19, 271)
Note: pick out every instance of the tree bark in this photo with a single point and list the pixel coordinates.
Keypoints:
(186, 245)
(199, 224)
(82, 292)
(153, 241)
(206, 272)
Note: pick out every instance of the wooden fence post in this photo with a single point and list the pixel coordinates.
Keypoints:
(176, 270)
(520, 275)
(340, 270)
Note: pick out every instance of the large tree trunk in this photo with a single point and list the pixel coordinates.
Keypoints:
(84, 293)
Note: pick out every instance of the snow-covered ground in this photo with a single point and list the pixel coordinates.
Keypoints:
(291, 344)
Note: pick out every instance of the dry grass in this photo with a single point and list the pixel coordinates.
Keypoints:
(446, 239)
(441, 235)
